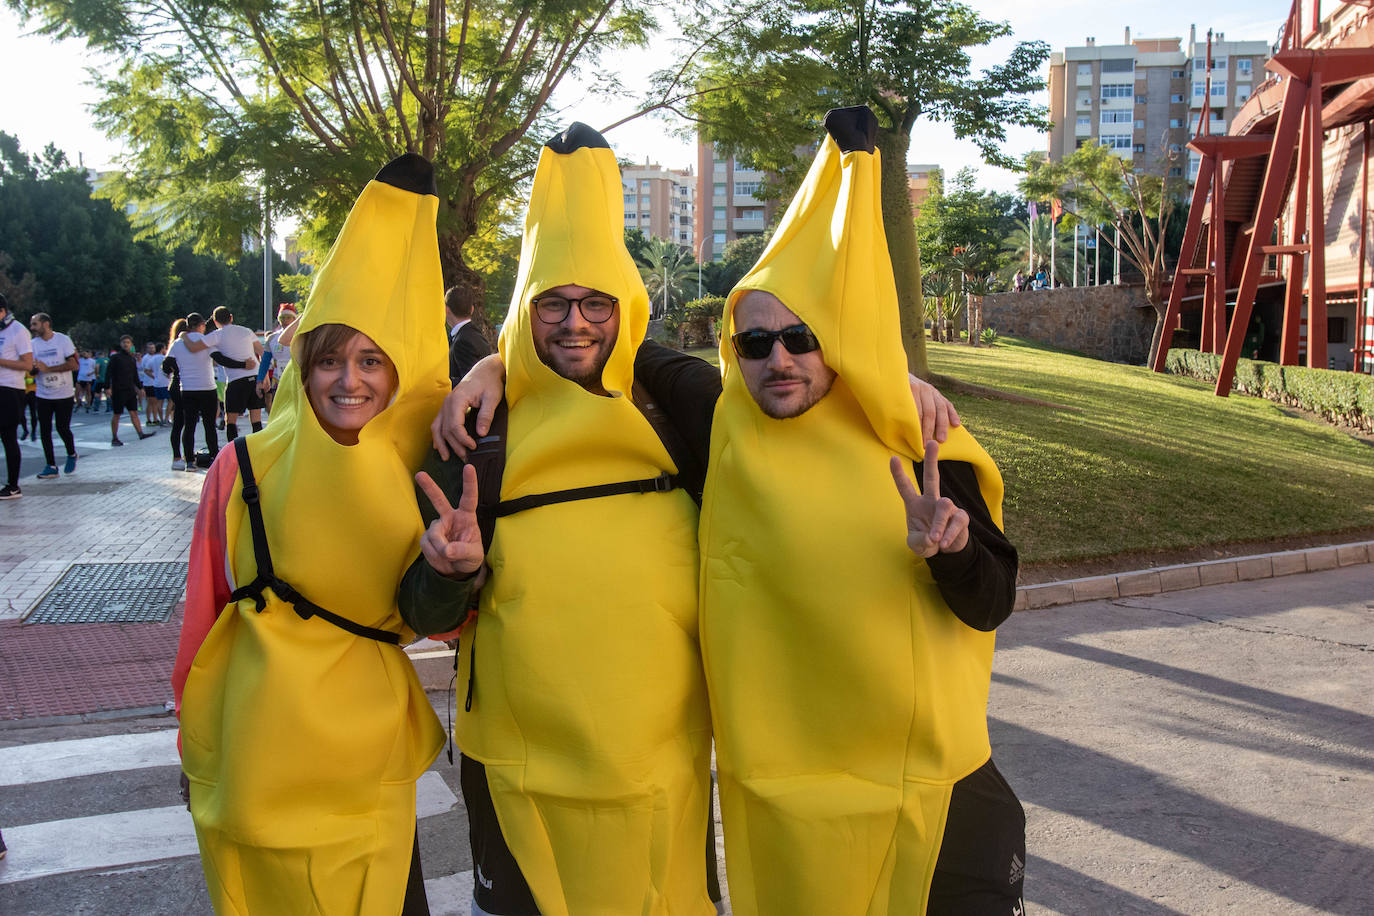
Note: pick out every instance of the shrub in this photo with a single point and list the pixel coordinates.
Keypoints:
(1340, 397)
(988, 337)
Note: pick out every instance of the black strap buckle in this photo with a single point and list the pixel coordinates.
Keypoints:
(663, 483)
(250, 493)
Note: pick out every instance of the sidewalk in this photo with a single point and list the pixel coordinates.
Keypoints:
(122, 505)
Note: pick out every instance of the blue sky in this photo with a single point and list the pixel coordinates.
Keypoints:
(45, 99)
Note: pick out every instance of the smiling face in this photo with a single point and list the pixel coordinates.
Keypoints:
(575, 348)
(347, 378)
(783, 384)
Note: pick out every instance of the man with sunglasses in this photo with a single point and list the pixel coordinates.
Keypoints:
(846, 617)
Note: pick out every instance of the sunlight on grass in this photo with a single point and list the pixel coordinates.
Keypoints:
(1147, 462)
(1150, 462)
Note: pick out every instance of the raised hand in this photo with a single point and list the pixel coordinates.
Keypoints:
(482, 388)
(936, 412)
(452, 543)
(933, 524)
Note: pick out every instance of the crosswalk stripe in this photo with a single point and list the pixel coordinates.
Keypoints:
(450, 895)
(132, 837)
(31, 763)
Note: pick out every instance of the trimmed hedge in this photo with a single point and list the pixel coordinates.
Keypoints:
(1340, 397)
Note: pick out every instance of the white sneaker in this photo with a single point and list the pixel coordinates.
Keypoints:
(178, 465)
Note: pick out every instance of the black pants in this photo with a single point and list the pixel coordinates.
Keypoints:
(202, 406)
(31, 400)
(11, 412)
(61, 409)
(982, 863)
(178, 421)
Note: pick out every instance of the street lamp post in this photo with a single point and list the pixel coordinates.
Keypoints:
(699, 247)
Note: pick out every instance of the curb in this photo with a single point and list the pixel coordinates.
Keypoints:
(1143, 582)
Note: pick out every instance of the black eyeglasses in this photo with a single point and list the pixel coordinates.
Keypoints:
(757, 343)
(597, 308)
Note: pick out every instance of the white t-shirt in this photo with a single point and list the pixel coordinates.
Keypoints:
(53, 386)
(147, 369)
(14, 343)
(85, 370)
(160, 379)
(196, 369)
(281, 354)
(236, 342)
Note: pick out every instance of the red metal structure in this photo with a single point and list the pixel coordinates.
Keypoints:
(1235, 237)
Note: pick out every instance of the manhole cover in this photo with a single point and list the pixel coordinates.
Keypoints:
(112, 593)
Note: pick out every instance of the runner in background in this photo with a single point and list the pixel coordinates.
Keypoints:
(239, 394)
(276, 355)
(54, 361)
(147, 377)
(85, 376)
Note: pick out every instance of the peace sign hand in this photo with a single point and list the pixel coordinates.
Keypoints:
(933, 524)
(452, 543)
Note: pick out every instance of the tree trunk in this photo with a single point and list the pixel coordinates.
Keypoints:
(457, 274)
(900, 227)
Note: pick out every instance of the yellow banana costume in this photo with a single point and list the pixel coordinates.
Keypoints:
(846, 697)
(302, 741)
(589, 706)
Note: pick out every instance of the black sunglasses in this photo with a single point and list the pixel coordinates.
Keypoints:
(597, 308)
(757, 343)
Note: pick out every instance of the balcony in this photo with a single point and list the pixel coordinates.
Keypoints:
(746, 200)
(747, 224)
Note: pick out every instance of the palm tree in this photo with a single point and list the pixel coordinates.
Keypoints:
(976, 287)
(664, 264)
(1032, 246)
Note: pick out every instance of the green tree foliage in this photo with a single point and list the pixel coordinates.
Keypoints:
(216, 101)
(69, 253)
(765, 74)
(77, 252)
(1028, 248)
(964, 219)
(1100, 188)
(665, 266)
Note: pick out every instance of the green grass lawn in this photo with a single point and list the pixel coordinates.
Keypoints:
(1141, 462)
(1148, 462)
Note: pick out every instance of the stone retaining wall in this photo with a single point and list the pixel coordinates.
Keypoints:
(1105, 322)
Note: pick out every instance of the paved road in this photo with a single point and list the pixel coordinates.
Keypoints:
(1204, 751)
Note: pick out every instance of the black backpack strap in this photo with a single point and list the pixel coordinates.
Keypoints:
(267, 577)
(690, 474)
(660, 484)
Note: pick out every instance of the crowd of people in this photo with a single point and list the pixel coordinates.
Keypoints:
(797, 560)
(208, 373)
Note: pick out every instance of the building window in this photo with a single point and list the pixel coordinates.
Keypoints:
(1115, 91)
(1140, 147)
(1176, 74)
(1118, 65)
(717, 213)
(1176, 98)
(1085, 69)
(1141, 99)
(1219, 89)
(1084, 121)
(1085, 102)
(1242, 93)
(1080, 141)
(644, 200)
(718, 237)
(718, 189)
(1175, 122)
(1139, 125)
(751, 213)
(743, 188)
(1116, 117)
(1218, 63)
(1244, 66)
(1175, 172)
(1199, 90)
(1116, 141)
(1336, 330)
(1200, 63)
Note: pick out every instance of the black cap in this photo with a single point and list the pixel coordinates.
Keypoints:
(852, 128)
(577, 136)
(410, 172)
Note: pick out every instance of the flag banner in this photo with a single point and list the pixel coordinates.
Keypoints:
(1034, 213)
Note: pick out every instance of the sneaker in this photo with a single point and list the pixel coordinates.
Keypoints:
(178, 465)
(143, 436)
(115, 442)
(10, 493)
(48, 473)
(70, 467)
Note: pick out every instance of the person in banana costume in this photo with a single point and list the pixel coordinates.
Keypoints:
(584, 731)
(303, 726)
(847, 621)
